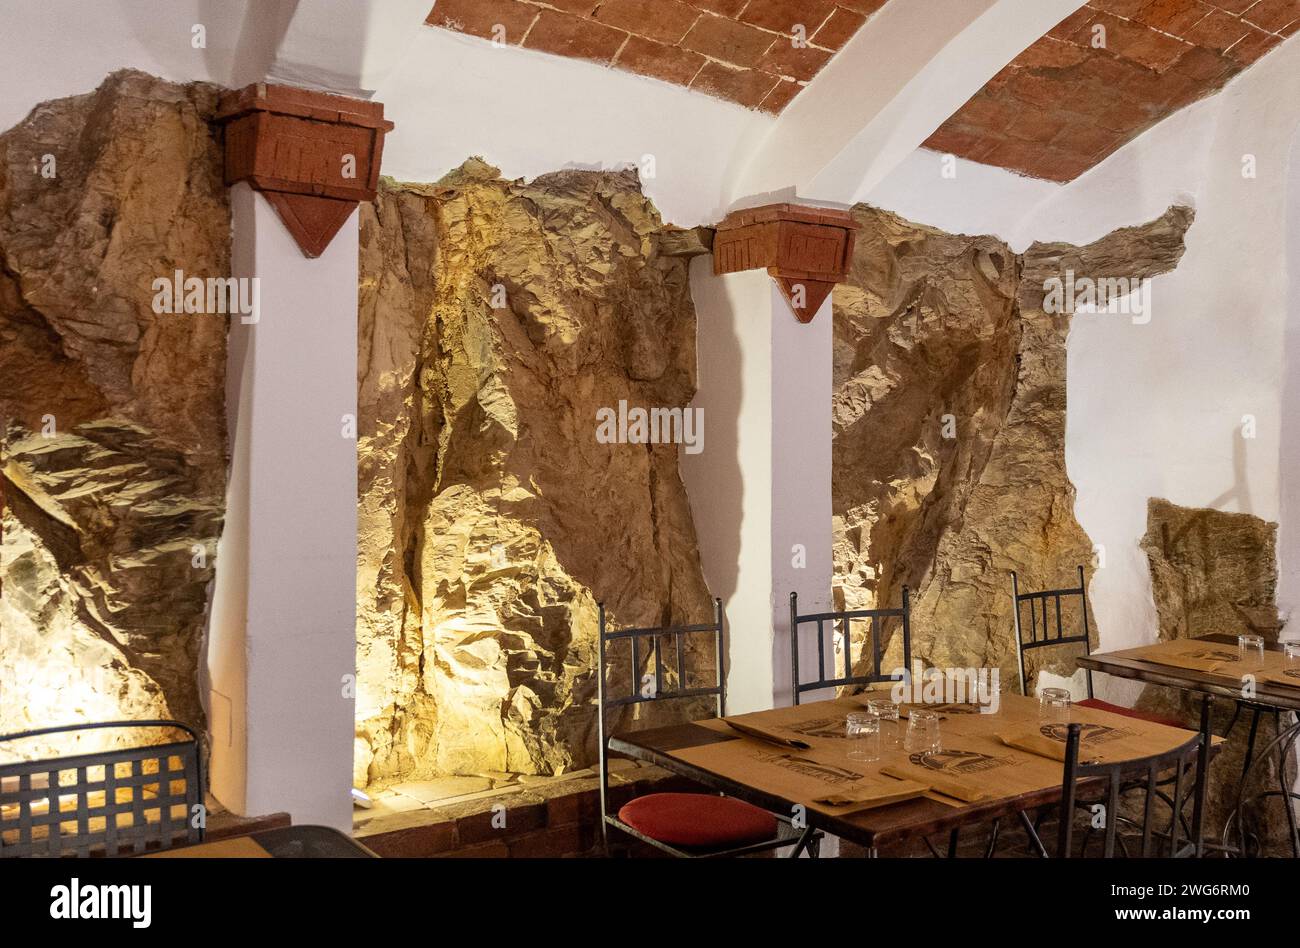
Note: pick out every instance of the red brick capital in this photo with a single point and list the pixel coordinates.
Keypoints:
(312, 154)
(806, 249)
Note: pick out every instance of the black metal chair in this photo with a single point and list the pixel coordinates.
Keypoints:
(845, 618)
(1045, 606)
(110, 803)
(1081, 781)
(676, 823)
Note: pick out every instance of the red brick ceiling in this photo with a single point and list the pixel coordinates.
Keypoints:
(741, 50)
(1062, 105)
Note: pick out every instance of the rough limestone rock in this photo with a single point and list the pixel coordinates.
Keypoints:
(1216, 572)
(496, 319)
(949, 428)
(112, 416)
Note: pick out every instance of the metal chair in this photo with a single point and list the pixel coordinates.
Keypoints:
(1079, 784)
(110, 803)
(699, 811)
(821, 619)
(1043, 607)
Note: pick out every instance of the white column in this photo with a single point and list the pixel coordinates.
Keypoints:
(282, 637)
(762, 484)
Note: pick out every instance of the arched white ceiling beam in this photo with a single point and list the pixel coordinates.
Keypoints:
(342, 46)
(911, 67)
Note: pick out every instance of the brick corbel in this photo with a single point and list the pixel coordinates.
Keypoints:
(807, 250)
(313, 155)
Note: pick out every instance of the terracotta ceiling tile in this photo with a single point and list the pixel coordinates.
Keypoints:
(782, 94)
(568, 35)
(1039, 125)
(972, 144)
(481, 17)
(1275, 15)
(1090, 140)
(1050, 53)
(988, 111)
(781, 16)
(749, 87)
(659, 61)
(720, 7)
(786, 59)
(728, 40)
(666, 21)
(1072, 27)
(1035, 89)
(1235, 7)
(1203, 65)
(839, 28)
(1253, 46)
(865, 7)
(1173, 16)
(578, 7)
(1124, 8)
(1218, 31)
(1139, 43)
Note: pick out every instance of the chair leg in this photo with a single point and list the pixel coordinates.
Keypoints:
(993, 839)
(802, 843)
(1287, 794)
(1250, 742)
(952, 843)
(1031, 830)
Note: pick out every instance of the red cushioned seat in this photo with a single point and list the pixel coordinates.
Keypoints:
(1099, 705)
(698, 820)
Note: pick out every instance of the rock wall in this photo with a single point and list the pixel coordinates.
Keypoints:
(949, 427)
(112, 419)
(496, 318)
(1216, 572)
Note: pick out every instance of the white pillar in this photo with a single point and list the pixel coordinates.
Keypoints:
(762, 485)
(282, 638)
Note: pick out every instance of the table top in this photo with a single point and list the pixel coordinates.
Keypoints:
(973, 756)
(1222, 678)
(285, 842)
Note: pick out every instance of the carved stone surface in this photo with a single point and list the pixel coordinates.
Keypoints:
(949, 427)
(114, 442)
(496, 319)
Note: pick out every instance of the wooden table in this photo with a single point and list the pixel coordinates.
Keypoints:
(772, 777)
(285, 842)
(1226, 681)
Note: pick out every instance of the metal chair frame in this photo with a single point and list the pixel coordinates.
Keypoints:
(1039, 605)
(821, 619)
(1144, 772)
(113, 839)
(805, 838)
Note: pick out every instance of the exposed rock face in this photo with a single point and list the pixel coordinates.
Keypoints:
(1216, 572)
(112, 416)
(949, 427)
(496, 319)
(1211, 571)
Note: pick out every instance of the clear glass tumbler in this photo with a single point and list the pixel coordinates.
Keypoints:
(1250, 648)
(922, 731)
(862, 728)
(890, 732)
(1291, 652)
(1054, 705)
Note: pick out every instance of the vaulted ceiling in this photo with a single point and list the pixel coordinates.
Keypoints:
(1097, 80)
(759, 53)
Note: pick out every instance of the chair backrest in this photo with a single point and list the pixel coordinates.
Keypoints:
(1043, 608)
(823, 620)
(1144, 772)
(640, 692)
(113, 802)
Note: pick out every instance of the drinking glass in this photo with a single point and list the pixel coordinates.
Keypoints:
(922, 731)
(862, 728)
(1292, 653)
(1054, 705)
(887, 712)
(1250, 647)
